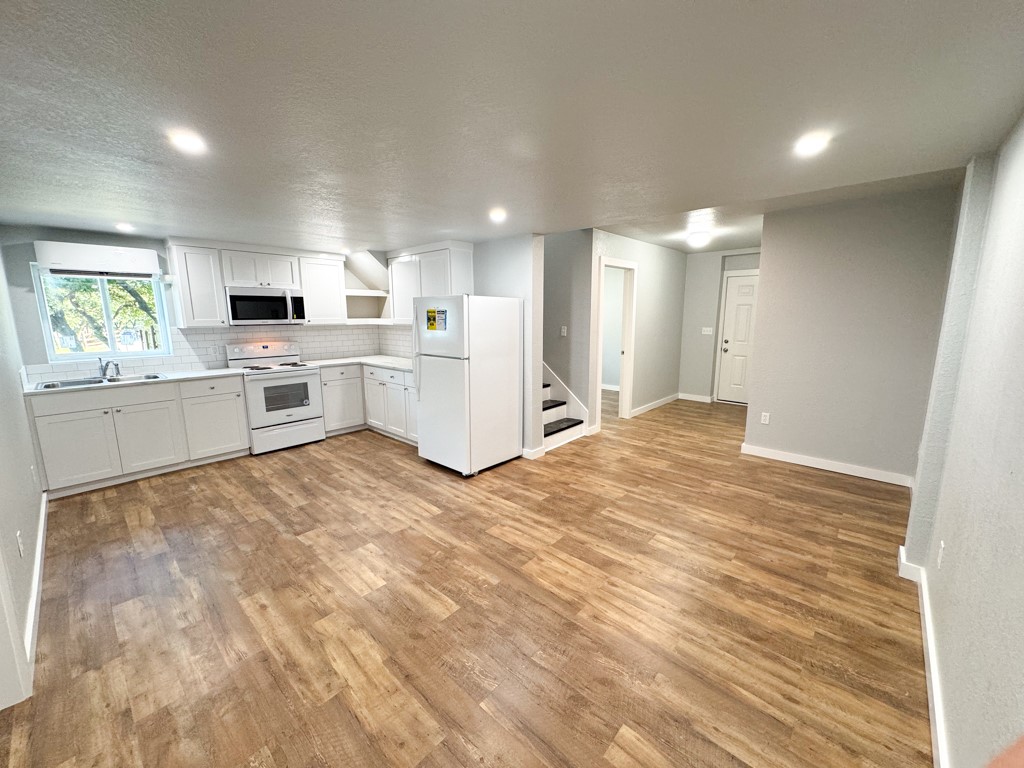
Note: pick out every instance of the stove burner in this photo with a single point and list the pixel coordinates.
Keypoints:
(257, 367)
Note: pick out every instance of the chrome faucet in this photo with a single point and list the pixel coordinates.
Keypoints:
(104, 367)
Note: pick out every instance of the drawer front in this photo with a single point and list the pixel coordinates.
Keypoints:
(221, 385)
(410, 379)
(340, 372)
(383, 374)
(102, 397)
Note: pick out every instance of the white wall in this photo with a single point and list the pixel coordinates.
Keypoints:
(514, 266)
(849, 308)
(568, 259)
(611, 320)
(20, 502)
(977, 596)
(661, 281)
(970, 229)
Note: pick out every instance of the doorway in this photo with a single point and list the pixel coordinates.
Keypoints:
(616, 331)
(735, 334)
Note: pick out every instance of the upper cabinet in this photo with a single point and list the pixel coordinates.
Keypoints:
(247, 269)
(199, 292)
(323, 290)
(438, 269)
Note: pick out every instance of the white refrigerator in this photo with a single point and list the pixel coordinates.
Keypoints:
(468, 357)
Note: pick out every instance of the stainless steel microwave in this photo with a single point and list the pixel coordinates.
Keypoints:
(265, 306)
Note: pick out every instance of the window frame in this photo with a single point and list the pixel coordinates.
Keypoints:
(70, 357)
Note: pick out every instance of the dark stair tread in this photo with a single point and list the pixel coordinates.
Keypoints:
(547, 405)
(560, 426)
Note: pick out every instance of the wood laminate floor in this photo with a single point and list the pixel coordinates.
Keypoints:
(644, 597)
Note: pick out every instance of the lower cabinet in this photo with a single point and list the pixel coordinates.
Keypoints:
(78, 447)
(376, 404)
(391, 407)
(215, 424)
(343, 404)
(149, 435)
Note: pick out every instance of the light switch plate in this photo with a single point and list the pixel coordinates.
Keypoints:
(565, 330)
(707, 330)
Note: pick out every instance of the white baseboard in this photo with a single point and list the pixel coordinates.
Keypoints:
(695, 398)
(828, 464)
(593, 429)
(936, 712)
(610, 387)
(908, 570)
(652, 406)
(533, 453)
(36, 595)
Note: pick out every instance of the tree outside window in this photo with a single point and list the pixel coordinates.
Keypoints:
(86, 316)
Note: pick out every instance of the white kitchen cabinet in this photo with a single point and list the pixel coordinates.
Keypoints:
(199, 287)
(439, 269)
(376, 403)
(411, 410)
(215, 424)
(150, 435)
(395, 416)
(323, 291)
(78, 447)
(247, 269)
(405, 286)
(435, 273)
(343, 403)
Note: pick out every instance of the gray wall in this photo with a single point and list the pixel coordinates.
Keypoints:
(18, 253)
(976, 595)
(661, 282)
(849, 308)
(568, 260)
(514, 266)
(611, 327)
(20, 503)
(970, 230)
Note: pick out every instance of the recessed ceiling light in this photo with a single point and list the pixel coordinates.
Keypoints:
(124, 226)
(498, 215)
(189, 142)
(811, 144)
(698, 239)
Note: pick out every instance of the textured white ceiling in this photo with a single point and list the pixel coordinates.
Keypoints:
(336, 124)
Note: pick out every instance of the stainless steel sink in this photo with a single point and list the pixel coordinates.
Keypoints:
(71, 383)
(140, 377)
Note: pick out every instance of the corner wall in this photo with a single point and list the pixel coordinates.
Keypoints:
(568, 259)
(849, 309)
(974, 582)
(22, 511)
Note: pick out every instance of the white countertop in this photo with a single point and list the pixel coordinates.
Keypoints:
(381, 361)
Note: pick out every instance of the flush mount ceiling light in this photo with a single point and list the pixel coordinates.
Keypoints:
(498, 215)
(187, 141)
(124, 226)
(811, 144)
(698, 239)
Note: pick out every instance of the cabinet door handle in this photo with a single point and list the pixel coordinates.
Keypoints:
(117, 410)
(239, 394)
(214, 386)
(105, 412)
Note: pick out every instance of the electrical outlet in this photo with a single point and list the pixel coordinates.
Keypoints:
(942, 548)
(565, 330)
(21, 544)
(766, 418)
(707, 330)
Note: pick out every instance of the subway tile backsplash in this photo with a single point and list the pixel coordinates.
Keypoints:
(196, 349)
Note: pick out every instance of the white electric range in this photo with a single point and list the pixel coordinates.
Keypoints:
(282, 394)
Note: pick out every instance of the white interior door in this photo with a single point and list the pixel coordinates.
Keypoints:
(737, 337)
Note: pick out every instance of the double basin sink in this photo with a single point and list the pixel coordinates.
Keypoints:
(71, 383)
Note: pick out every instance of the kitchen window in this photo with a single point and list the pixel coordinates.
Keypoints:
(86, 316)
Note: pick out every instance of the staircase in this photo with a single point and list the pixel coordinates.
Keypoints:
(558, 427)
